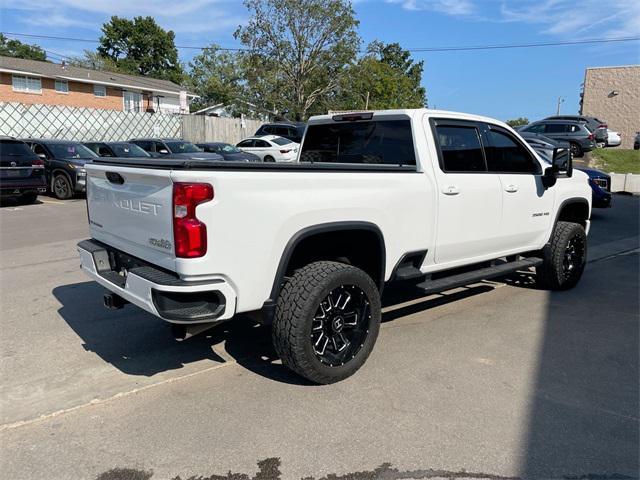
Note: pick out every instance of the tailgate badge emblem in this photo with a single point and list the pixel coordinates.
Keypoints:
(166, 244)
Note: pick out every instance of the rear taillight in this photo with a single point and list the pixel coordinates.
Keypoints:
(37, 162)
(603, 125)
(189, 233)
(591, 136)
(285, 151)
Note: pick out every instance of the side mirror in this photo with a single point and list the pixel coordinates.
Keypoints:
(42, 156)
(563, 161)
(163, 151)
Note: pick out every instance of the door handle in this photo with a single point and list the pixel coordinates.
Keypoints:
(451, 190)
(511, 188)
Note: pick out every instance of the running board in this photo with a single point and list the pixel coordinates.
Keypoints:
(442, 284)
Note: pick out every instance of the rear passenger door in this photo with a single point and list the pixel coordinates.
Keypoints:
(469, 197)
(526, 205)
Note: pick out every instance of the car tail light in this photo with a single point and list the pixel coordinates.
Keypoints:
(603, 125)
(37, 162)
(591, 136)
(285, 151)
(189, 233)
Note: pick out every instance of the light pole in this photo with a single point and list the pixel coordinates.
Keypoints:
(560, 101)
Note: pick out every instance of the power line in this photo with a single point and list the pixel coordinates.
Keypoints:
(415, 49)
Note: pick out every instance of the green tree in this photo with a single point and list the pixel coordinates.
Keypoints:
(385, 77)
(518, 122)
(17, 49)
(140, 46)
(297, 51)
(216, 77)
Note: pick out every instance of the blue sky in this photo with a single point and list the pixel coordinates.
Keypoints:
(499, 83)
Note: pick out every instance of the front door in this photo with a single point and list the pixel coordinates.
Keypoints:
(469, 197)
(526, 205)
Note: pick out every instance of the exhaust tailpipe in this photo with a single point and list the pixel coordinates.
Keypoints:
(113, 301)
(185, 332)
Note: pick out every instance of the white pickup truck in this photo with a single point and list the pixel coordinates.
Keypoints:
(429, 198)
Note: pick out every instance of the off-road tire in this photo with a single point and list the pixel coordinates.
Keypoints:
(553, 273)
(296, 308)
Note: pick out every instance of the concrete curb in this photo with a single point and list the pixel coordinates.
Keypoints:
(625, 182)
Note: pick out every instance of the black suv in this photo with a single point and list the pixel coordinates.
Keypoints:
(21, 171)
(64, 162)
(292, 131)
(575, 132)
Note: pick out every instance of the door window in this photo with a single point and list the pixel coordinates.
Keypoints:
(261, 144)
(460, 149)
(555, 128)
(506, 155)
(246, 144)
(145, 145)
(538, 128)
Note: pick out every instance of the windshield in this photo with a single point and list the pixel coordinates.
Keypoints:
(228, 149)
(182, 147)
(70, 150)
(128, 150)
(281, 141)
(15, 149)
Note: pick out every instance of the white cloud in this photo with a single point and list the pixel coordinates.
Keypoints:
(448, 7)
(566, 18)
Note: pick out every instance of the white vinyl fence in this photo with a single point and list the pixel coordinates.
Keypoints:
(89, 124)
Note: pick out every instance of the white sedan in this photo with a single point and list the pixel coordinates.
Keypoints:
(613, 139)
(271, 148)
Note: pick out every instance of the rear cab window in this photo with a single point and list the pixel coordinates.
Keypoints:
(371, 142)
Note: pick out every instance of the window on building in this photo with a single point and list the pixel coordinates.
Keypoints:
(22, 83)
(100, 90)
(460, 148)
(132, 101)
(62, 86)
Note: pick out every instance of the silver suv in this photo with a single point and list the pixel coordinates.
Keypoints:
(576, 133)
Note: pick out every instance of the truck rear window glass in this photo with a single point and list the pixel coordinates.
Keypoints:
(382, 142)
(461, 149)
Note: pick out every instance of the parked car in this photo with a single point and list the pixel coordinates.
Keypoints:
(309, 246)
(117, 149)
(599, 181)
(174, 148)
(21, 171)
(595, 126)
(294, 131)
(64, 165)
(271, 148)
(614, 139)
(228, 152)
(574, 132)
(636, 141)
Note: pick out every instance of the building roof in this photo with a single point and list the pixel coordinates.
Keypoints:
(86, 75)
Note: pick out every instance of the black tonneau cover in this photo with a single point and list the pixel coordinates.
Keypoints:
(190, 164)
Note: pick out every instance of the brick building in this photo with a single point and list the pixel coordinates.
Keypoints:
(612, 94)
(36, 82)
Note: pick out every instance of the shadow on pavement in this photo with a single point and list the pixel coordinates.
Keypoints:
(137, 343)
(584, 411)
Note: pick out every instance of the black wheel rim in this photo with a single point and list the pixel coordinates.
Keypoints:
(340, 325)
(60, 187)
(573, 256)
(574, 149)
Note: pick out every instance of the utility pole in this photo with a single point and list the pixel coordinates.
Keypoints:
(560, 101)
(366, 102)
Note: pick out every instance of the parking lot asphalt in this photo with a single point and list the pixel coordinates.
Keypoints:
(497, 380)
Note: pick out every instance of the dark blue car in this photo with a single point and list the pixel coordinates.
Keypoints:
(599, 181)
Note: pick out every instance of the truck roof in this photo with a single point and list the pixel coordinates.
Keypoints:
(410, 112)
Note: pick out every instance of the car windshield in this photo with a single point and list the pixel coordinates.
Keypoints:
(70, 150)
(281, 141)
(182, 147)
(128, 150)
(228, 149)
(15, 149)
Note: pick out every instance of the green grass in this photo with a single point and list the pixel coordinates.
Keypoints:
(616, 160)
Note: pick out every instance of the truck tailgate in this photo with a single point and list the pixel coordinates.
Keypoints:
(130, 209)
